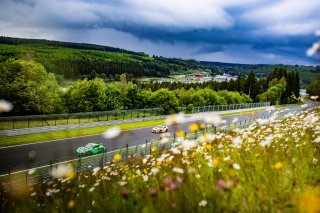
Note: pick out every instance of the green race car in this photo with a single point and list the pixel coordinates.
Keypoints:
(90, 148)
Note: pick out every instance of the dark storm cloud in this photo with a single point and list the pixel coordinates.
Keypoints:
(277, 30)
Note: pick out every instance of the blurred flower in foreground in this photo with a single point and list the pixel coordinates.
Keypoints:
(5, 106)
(193, 127)
(203, 203)
(175, 119)
(117, 157)
(71, 204)
(112, 132)
(213, 119)
(278, 165)
(315, 48)
(63, 171)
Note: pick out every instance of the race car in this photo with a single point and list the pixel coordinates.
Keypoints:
(90, 148)
(160, 129)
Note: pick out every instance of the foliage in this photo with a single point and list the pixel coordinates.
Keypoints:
(28, 86)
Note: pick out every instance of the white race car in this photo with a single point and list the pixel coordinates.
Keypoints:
(160, 129)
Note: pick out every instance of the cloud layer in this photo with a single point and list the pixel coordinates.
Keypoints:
(247, 31)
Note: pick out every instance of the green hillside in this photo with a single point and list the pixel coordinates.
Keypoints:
(73, 60)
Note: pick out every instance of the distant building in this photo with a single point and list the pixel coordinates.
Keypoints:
(224, 77)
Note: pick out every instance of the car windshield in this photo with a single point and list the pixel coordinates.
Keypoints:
(89, 145)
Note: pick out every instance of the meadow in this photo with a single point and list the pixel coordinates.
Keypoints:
(270, 166)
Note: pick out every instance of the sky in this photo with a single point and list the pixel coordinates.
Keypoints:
(235, 31)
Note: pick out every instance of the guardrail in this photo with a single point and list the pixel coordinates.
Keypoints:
(126, 152)
(30, 121)
(77, 120)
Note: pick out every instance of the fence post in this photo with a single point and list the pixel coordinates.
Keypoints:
(51, 167)
(27, 181)
(127, 152)
(9, 172)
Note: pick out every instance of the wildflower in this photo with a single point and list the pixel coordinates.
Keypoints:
(278, 165)
(213, 119)
(197, 176)
(153, 192)
(203, 203)
(154, 170)
(180, 133)
(215, 161)
(145, 178)
(236, 166)
(71, 204)
(235, 120)
(5, 106)
(164, 140)
(304, 105)
(31, 171)
(317, 140)
(33, 194)
(125, 193)
(95, 170)
(202, 126)
(112, 132)
(193, 127)
(117, 157)
(175, 119)
(62, 171)
(153, 149)
(314, 161)
(122, 183)
(312, 50)
(91, 189)
(252, 114)
(177, 170)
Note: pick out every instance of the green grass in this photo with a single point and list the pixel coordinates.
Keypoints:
(242, 112)
(18, 124)
(234, 172)
(39, 137)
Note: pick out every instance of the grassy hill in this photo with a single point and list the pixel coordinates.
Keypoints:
(72, 60)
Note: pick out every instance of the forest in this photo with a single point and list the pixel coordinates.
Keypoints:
(32, 90)
(73, 61)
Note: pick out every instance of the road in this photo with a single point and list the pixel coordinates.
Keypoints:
(39, 154)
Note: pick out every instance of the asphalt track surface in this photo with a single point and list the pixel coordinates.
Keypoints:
(28, 156)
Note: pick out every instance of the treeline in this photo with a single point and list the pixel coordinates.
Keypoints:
(74, 60)
(32, 90)
(82, 46)
(249, 85)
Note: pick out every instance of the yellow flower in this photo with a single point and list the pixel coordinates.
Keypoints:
(71, 204)
(252, 114)
(158, 163)
(117, 157)
(71, 174)
(215, 161)
(208, 146)
(193, 127)
(202, 126)
(153, 149)
(278, 165)
(180, 133)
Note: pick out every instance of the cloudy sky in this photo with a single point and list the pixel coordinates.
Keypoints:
(238, 31)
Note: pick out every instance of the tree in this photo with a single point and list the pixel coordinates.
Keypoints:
(165, 99)
(86, 96)
(30, 89)
(250, 85)
(276, 89)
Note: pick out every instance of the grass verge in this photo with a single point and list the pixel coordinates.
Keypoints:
(39, 137)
